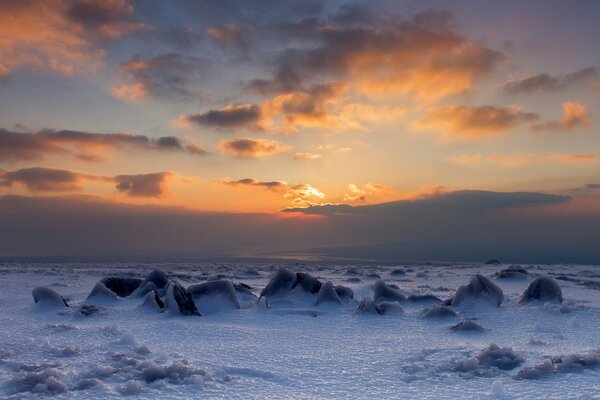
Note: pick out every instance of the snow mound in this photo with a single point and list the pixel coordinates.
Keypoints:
(467, 326)
(100, 294)
(328, 294)
(44, 382)
(479, 287)
(493, 356)
(390, 308)
(179, 301)
(214, 296)
(570, 363)
(542, 288)
(46, 297)
(439, 312)
(131, 387)
(383, 292)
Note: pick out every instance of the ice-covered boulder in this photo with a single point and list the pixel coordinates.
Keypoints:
(383, 292)
(215, 295)
(542, 288)
(344, 292)
(245, 294)
(179, 300)
(479, 288)
(281, 283)
(467, 326)
(328, 294)
(48, 298)
(155, 281)
(513, 272)
(439, 312)
(307, 282)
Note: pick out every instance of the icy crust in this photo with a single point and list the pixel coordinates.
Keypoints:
(306, 344)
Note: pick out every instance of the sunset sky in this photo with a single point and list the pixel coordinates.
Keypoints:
(298, 114)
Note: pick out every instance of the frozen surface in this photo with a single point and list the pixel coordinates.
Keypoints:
(296, 348)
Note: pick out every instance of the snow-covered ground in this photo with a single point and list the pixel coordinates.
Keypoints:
(294, 349)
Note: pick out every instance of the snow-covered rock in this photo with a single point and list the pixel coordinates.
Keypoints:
(542, 288)
(479, 288)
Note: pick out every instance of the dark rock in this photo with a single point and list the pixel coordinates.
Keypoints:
(307, 282)
(479, 287)
(542, 288)
(344, 292)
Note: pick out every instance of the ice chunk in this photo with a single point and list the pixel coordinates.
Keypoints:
(179, 300)
(542, 288)
(152, 302)
(384, 292)
(424, 298)
(479, 287)
(328, 294)
(48, 298)
(368, 306)
(101, 294)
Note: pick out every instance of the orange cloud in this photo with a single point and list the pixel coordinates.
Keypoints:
(131, 93)
(323, 106)
(299, 194)
(463, 121)
(59, 34)
(367, 193)
(575, 116)
(522, 159)
(306, 156)
(252, 148)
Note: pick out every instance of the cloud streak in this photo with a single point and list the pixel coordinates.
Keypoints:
(15, 146)
(252, 148)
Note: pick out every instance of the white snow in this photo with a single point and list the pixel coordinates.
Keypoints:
(294, 348)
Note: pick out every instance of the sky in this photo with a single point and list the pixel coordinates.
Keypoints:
(383, 130)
